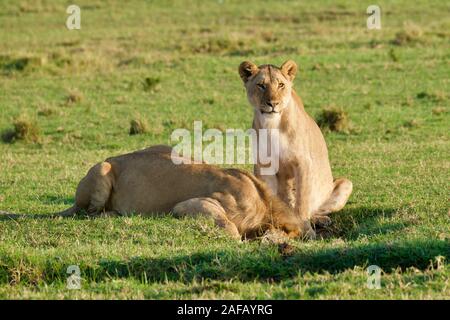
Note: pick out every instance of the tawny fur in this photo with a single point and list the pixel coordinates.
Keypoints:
(147, 182)
(304, 180)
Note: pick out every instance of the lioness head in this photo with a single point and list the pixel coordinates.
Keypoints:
(283, 218)
(268, 87)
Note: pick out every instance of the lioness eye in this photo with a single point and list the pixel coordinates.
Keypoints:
(281, 85)
(261, 86)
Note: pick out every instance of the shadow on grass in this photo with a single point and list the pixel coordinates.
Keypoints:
(348, 224)
(47, 199)
(264, 265)
(259, 265)
(52, 199)
(351, 223)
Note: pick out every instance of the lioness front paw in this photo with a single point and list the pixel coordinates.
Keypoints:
(308, 232)
(310, 235)
(321, 221)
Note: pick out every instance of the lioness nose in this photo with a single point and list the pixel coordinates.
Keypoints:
(272, 104)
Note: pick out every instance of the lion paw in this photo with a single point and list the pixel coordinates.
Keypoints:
(308, 232)
(321, 221)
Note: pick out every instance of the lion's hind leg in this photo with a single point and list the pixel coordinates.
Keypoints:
(94, 190)
(208, 207)
(337, 200)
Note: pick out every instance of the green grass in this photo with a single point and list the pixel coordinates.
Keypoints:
(168, 63)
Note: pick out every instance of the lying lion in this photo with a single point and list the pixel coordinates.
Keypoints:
(147, 182)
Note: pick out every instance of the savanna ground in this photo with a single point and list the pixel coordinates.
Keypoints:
(67, 99)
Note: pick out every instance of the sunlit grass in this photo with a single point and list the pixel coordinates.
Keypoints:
(167, 64)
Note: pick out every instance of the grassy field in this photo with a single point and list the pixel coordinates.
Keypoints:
(67, 99)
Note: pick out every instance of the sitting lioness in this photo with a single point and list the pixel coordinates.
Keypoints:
(148, 181)
(304, 179)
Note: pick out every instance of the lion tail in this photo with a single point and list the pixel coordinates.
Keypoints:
(70, 212)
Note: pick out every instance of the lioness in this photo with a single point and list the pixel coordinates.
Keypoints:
(304, 168)
(148, 181)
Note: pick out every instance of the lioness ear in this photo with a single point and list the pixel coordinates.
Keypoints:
(289, 69)
(247, 69)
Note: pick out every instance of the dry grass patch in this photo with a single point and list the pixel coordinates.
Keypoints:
(46, 112)
(74, 96)
(151, 84)
(334, 119)
(411, 33)
(138, 126)
(10, 64)
(414, 123)
(437, 96)
(439, 110)
(23, 129)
